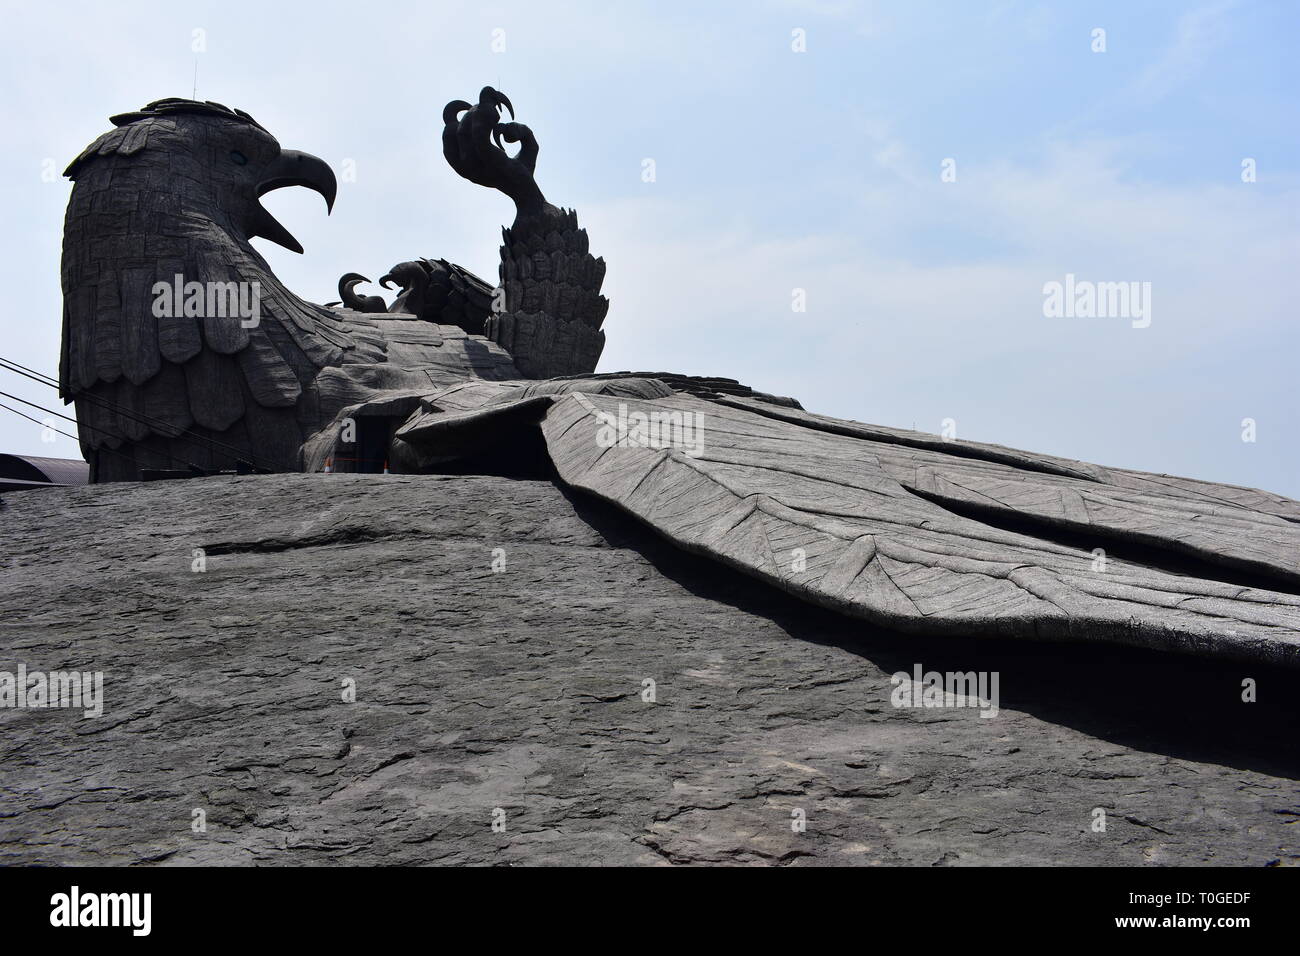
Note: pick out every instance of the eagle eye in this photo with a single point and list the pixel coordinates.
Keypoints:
(238, 157)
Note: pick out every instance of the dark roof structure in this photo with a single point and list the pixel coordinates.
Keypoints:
(32, 471)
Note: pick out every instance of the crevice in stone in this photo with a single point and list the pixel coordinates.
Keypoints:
(1131, 547)
(350, 534)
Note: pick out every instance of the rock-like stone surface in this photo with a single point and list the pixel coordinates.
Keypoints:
(523, 690)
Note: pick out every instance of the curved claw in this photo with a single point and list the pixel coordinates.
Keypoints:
(519, 133)
(513, 132)
(361, 303)
(495, 99)
(452, 111)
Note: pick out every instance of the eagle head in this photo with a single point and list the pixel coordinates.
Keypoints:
(164, 365)
(188, 159)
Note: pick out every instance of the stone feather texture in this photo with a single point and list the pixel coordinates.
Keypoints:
(553, 309)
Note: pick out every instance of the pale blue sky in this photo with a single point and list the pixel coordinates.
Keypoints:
(776, 170)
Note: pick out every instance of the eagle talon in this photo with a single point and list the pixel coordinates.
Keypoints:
(473, 140)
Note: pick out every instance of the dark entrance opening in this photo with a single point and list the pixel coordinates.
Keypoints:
(373, 435)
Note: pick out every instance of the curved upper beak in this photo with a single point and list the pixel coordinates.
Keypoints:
(292, 168)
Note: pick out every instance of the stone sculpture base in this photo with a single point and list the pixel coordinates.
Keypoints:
(524, 690)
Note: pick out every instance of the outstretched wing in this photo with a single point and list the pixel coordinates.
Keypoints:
(1232, 531)
(920, 535)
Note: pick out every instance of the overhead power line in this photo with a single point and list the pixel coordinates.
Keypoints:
(20, 414)
(216, 444)
(50, 411)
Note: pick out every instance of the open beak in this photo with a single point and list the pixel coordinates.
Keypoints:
(291, 168)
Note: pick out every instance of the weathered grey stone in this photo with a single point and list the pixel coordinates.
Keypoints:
(523, 690)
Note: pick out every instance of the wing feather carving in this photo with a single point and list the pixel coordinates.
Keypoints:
(818, 513)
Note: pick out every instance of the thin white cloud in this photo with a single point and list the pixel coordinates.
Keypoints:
(1198, 33)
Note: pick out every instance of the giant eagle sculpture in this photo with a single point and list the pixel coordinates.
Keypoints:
(901, 528)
